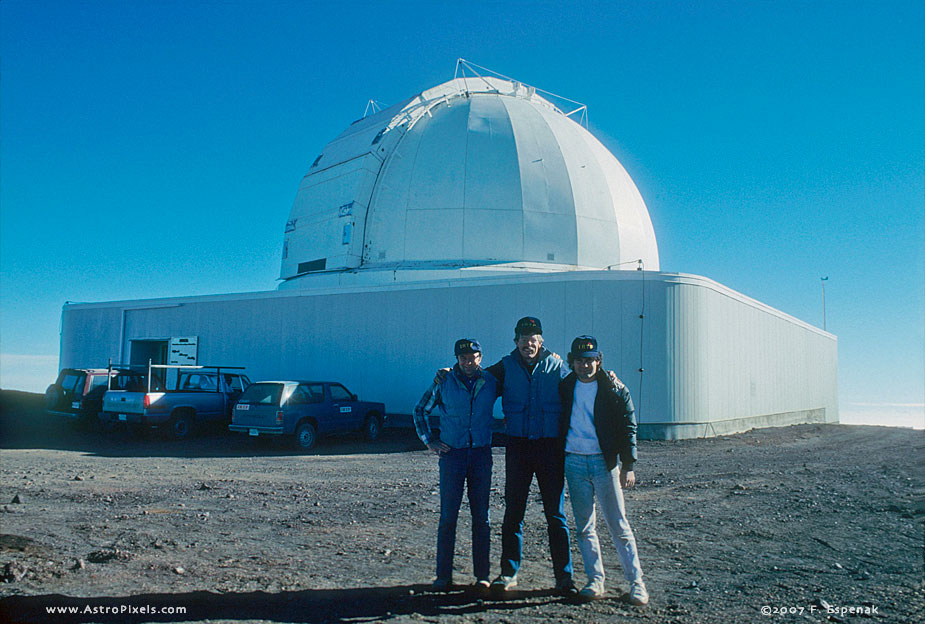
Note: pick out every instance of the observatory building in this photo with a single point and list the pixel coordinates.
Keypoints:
(452, 214)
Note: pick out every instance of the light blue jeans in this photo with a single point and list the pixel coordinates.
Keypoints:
(588, 478)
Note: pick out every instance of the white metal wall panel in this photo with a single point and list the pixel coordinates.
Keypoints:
(492, 171)
(730, 358)
(318, 215)
(438, 177)
(90, 337)
(389, 201)
(493, 235)
(545, 185)
(635, 232)
(434, 233)
(715, 361)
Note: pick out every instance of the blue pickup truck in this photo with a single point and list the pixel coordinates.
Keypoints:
(304, 410)
(199, 394)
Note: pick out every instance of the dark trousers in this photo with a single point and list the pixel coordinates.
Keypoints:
(544, 458)
(458, 468)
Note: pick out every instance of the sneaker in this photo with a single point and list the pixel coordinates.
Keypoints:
(592, 591)
(482, 588)
(442, 585)
(638, 595)
(504, 583)
(566, 587)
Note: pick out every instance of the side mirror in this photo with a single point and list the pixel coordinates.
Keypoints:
(353, 397)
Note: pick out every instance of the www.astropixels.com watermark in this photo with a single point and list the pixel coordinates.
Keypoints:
(115, 610)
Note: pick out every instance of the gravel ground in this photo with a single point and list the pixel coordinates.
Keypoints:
(805, 520)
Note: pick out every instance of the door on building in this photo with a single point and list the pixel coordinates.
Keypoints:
(144, 350)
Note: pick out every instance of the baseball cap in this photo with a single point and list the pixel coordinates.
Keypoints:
(467, 345)
(528, 326)
(585, 346)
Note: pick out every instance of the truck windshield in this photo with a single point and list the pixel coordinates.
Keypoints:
(262, 394)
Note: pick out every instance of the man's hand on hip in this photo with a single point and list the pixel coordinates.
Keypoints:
(438, 447)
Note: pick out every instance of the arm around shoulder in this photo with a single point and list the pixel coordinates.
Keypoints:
(497, 371)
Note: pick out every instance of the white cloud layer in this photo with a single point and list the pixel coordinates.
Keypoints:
(31, 373)
(885, 414)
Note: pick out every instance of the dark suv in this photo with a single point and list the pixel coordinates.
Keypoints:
(78, 392)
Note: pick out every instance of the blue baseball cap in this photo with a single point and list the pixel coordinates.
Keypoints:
(467, 345)
(585, 346)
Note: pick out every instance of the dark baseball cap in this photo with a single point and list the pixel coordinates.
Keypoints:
(527, 326)
(467, 345)
(585, 346)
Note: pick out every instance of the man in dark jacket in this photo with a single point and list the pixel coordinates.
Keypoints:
(598, 428)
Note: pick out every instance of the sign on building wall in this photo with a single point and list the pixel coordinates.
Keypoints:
(184, 350)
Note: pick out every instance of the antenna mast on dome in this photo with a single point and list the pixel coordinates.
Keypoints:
(462, 65)
(373, 106)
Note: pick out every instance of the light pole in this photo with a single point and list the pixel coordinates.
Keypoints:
(823, 280)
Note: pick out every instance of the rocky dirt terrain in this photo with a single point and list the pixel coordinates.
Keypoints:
(801, 521)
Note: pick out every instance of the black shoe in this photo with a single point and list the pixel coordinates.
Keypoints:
(482, 588)
(566, 587)
(442, 585)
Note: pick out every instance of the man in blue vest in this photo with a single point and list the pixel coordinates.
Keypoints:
(528, 381)
(465, 399)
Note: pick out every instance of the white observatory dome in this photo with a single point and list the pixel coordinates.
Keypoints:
(477, 173)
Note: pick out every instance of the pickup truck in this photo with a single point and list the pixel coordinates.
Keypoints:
(199, 394)
(305, 410)
(77, 393)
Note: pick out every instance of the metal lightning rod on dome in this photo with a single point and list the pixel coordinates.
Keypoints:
(462, 64)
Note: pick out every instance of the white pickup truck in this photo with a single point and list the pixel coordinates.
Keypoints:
(198, 394)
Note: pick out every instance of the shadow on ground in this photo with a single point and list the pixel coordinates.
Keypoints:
(24, 424)
(374, 604)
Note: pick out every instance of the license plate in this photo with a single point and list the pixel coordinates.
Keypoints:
(123, 417)
(254, 432)
(75, 405)
(243, 406)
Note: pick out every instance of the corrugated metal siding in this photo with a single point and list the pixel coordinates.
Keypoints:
(730, 359)
(711, 356)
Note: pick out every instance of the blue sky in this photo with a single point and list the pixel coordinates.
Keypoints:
(154, 149)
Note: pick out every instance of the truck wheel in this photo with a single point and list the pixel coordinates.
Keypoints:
(181, 426)
(305, 436)
(372, 428)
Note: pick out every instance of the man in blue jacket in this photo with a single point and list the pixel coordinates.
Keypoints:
(465, 398)
(528, 381)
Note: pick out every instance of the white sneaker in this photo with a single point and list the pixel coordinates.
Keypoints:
(638, 595)
(592, 591)
(503, 584)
